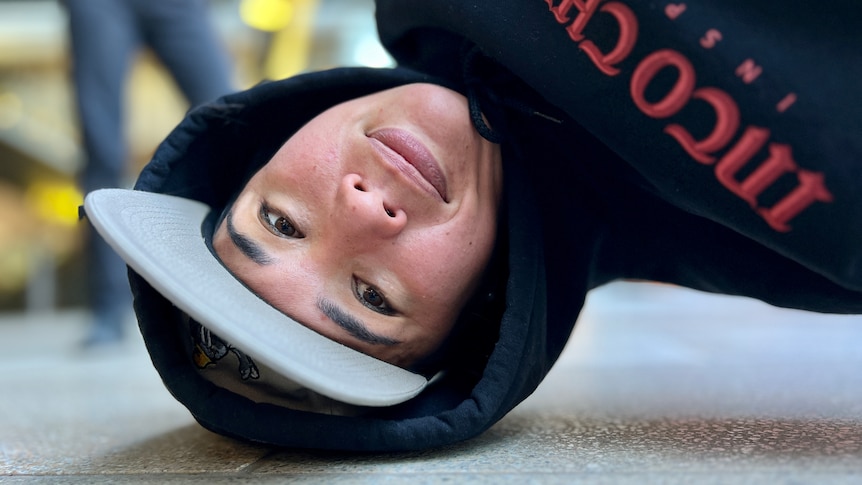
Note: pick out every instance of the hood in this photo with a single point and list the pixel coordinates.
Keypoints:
(209, 156)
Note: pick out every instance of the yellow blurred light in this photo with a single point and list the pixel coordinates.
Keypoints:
(290, 48)
(55, 202)
(266, 15)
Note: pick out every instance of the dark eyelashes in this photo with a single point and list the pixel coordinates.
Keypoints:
(360, 295)
(264, 214)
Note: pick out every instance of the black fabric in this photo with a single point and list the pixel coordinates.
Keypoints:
(596, 189)
(763, 57)
(209, 156)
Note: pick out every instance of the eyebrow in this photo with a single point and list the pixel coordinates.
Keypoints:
(249, 248)
(352, 325)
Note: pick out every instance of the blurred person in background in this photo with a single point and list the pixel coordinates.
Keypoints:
(105, 37)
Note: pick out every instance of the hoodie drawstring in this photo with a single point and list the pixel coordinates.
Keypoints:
(489, 111)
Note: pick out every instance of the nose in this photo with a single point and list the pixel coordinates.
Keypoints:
(365, 212)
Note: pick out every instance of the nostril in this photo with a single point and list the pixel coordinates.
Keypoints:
(389, 212)
(359, 187)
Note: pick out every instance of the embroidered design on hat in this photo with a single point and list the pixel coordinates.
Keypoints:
(209, 349)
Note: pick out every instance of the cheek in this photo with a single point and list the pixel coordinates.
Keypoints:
(308, 154)
(449, 264)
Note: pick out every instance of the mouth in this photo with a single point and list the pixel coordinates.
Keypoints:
(412, 158)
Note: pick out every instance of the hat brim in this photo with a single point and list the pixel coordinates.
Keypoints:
(161, 237)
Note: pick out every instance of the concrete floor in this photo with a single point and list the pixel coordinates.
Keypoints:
(658, 385)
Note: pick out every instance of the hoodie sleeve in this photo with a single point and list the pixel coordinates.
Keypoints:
(742, 116)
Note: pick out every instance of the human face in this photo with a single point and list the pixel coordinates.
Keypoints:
(372, 224)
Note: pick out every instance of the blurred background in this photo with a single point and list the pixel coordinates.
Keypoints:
(41, 151)
(659, 384)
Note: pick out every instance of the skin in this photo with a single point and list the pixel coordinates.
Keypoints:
(339, 233)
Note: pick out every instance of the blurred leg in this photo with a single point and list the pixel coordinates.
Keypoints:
(104, 40)
(182, 34)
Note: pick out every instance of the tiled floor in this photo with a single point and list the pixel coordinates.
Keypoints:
(658, 385)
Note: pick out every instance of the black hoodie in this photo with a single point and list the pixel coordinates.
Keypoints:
(714, 145)
(723, 139)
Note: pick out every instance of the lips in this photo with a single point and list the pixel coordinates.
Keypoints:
(420, 166)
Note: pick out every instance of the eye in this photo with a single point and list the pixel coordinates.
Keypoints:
(371, 297)
(279, 225)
